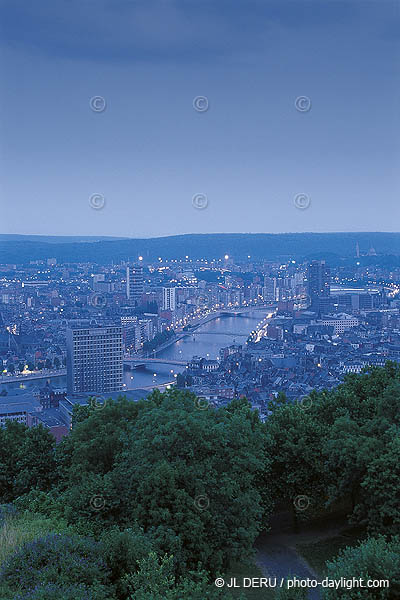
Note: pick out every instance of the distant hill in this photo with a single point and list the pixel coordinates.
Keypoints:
(22, 249)
(55, 239)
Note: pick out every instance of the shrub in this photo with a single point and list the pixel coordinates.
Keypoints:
(51, 591)
(375, 558)
(20, 528)
(55, 558)
(122, 550)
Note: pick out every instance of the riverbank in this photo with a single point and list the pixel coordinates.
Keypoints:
(31, 376)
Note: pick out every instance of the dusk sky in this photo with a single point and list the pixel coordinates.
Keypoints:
(150, 151)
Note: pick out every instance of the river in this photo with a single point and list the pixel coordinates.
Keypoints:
(206, 341)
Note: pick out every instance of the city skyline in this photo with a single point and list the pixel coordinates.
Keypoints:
(300, 131)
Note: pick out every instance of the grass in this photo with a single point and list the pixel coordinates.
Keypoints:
(17, 530)
(25, 527)
(318, 553)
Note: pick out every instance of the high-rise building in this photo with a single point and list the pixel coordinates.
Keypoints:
(269, 289)
(318, 282)
(94, 360)
(169, 298)
(134, 284)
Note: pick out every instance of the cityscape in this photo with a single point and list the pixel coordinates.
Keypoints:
(200, 300)
(221, 328)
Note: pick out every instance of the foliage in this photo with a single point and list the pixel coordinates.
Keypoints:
(169, 464)
(18, 528)
(341, 448)
(26, 459)
(123, 550)
(155, 580)
(294, 442)
(379, 505)
(175, 492)
(55, 558)
(54, 591)
(375, 559)
(159, 339)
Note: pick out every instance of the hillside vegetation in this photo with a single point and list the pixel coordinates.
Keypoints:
(155, 499)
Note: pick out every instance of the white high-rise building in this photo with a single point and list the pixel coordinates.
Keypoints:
(169, 298)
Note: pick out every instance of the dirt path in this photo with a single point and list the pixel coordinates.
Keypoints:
(277, 555)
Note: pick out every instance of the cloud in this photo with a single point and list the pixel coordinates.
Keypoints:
(159, 30)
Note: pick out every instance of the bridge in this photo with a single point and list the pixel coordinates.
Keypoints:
(154, 361)
(243, 310)
(232, 333)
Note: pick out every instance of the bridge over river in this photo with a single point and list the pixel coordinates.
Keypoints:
(231, 333)
(135, 362)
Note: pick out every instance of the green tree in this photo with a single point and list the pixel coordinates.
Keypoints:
(35, 461)
(379, 506)
(294, 445)
(194, 471)
(166, 463)
(12, 437)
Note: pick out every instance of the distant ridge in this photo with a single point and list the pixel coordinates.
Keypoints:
(22, 249)
(55, 239)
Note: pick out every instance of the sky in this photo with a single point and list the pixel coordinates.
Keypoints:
(151, 164)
